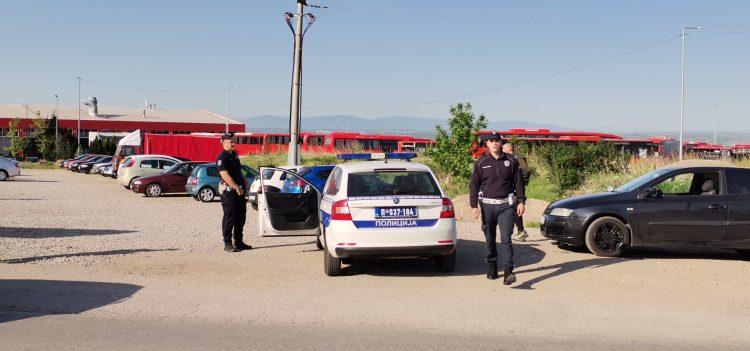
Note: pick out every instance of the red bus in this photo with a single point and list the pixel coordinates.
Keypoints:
(740, 151)
(703, 150)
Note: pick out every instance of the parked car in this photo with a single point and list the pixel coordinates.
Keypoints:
(690, 206)
(97, 168)
(108, 171)
(143, 166)
(9, 168)
(72, 165)
(32, 159)
(85, 167)
(203, 183)
(64, 163)
(315, 175)
(172, 180)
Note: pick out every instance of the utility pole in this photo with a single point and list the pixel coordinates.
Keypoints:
(293, 157)
(78, 105)
(682, 86)
(57, 117)
(227, 118)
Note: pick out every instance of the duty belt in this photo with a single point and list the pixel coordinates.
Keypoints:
(494, 201)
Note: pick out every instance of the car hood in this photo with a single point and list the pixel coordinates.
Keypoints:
(587, 200)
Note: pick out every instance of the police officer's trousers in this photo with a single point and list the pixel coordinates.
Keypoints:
(235, 210)
(498, 216)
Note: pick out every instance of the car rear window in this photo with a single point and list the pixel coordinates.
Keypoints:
(738, 181)
(391, 183)
(212, 171)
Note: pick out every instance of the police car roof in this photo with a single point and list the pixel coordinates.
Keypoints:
(364, 166)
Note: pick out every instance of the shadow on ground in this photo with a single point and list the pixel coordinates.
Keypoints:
(41, 233)
(79, 254)
(15, 179)
(23, 298)
(469, 261)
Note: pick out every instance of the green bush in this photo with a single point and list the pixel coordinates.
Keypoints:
(451, 153)
(570, 164)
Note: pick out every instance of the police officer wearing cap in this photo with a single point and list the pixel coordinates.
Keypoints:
(497, 176)
(232, 191)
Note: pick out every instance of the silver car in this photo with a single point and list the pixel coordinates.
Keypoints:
(9, 168)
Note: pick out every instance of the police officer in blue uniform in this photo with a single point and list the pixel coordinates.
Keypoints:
(497, 175)
(232, 192)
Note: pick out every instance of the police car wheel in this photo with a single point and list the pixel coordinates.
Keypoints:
(206, 194)
(331, 264)
(153, 190)
(607, 237)
(3, 175)
(446, 263)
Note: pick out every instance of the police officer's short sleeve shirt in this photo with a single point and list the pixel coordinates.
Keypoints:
(229, 161)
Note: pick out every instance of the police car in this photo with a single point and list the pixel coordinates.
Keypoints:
(384, 206)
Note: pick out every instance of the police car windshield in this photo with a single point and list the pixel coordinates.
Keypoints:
(391, 183)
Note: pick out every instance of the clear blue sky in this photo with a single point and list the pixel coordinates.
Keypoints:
(361, 56)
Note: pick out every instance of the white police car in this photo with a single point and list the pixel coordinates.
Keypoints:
(379, 208)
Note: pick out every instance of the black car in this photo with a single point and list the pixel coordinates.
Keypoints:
(692, 206)
(85, 167)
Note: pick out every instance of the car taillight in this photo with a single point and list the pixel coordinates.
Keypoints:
(194, 181)
(340, 211)
(447, 210)
(18, 165)
(298, 182)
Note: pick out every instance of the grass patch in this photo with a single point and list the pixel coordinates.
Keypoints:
(39, 165)
(532, 224)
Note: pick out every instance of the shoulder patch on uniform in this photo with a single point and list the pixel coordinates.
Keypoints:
(218, 162)
(507, 163)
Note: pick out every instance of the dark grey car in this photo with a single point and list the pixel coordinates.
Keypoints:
(693, 206)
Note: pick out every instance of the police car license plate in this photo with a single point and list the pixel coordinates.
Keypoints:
(395, 212)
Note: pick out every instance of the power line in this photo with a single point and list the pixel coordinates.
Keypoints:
(513, 85)
(112, 85)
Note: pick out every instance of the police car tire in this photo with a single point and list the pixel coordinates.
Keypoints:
(3, 175)
(591, 233)
(331, 264)
(446, 263)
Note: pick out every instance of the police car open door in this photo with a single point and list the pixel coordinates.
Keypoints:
(287, 205)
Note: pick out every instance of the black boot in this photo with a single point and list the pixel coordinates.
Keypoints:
(240, 246)
(228, 247)
(492, 270)
(508, 276)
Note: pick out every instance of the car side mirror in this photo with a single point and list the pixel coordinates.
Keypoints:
(654, 193)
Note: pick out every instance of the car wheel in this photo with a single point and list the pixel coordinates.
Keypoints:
(153, 190)
(3, 175)
(331, 264)
(606, 237)
(318, 243)
(446, 263)
(206, 194)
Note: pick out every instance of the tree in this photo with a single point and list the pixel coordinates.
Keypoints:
(452, 151)
(18, 144)
(44, 136)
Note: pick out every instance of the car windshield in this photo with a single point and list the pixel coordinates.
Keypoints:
(640, 181)
(392, 183)
(173, 168)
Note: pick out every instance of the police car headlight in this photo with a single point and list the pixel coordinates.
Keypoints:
(561, 212)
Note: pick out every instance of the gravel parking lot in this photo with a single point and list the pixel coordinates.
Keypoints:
(81, 251)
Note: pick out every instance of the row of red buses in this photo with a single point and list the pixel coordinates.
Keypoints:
(649, 147)
(330, 142)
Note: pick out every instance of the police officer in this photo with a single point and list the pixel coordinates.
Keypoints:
(232, 191)
(496, 174)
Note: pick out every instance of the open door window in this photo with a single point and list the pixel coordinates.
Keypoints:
(289, 208)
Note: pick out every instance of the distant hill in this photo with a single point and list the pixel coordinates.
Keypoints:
(391, 124)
